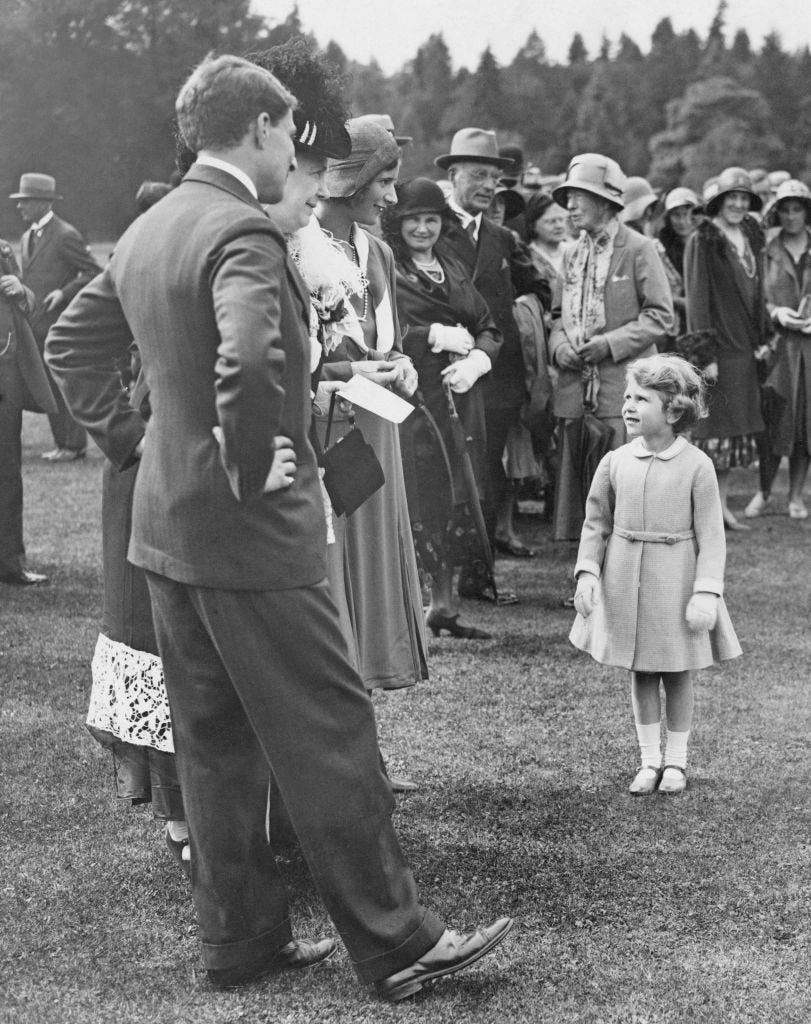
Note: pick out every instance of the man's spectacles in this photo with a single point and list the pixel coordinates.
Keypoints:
(482, 175)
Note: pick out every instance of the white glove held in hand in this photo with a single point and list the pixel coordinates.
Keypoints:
(787, 317)
(587, 594)
(463, 374)
(702, 612)
(443, 338)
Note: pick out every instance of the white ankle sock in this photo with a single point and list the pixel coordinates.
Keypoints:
(650, 750)
(676, 748)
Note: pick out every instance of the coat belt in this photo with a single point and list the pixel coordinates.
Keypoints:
(654, 538)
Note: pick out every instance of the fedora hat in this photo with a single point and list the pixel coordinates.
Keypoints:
(473, 145)
(386, 122)
(36, 186)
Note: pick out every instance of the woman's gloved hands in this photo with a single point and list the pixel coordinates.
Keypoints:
(443, 338)
(462, 374)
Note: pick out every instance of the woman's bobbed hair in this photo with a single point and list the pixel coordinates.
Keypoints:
(681, 385)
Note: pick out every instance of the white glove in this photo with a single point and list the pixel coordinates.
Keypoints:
(443, 338)
(587, 594)
(702, 611)
(787, 317)
(463, 374)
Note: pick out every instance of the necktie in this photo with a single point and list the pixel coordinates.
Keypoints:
(32, 241)
(471, 232)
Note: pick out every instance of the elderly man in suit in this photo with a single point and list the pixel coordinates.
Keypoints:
(56, 264)
(23, 385)
(501, 268)
(228, 522)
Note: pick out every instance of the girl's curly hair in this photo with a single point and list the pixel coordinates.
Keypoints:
(681, 385)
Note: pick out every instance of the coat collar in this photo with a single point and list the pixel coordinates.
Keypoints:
(637, 448)
(218, 178)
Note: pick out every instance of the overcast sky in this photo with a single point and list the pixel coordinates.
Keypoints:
(392, 30)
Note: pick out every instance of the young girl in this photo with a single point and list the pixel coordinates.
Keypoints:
(650, 569)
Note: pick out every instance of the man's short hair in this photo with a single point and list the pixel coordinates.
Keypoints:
(222, 97)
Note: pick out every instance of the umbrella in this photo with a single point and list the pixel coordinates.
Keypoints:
(583, 442)
(462, 444)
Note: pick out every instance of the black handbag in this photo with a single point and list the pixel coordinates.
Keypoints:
(352, 472)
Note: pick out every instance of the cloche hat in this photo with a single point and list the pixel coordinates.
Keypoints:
(36, 186)
(594, 173)
(638, 197)
(386, 122)
(373, 149)
(732, 179)
(473, 145)
(680, 196)
(420, 195)
(791, 189)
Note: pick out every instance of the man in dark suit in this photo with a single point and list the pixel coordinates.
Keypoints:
(23, 385)
(228, 522)
(56, 264)
(501, 268)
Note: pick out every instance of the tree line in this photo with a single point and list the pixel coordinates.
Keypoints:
(87, 93)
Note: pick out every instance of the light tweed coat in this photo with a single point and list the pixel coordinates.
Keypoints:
(639, 622)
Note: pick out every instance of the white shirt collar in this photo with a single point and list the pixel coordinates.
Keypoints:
(40, 224)
(466, 217)
(638, 448)
(229, 168)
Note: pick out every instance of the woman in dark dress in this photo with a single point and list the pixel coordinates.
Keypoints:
(724, 292)
(450, 336)
(788, 299)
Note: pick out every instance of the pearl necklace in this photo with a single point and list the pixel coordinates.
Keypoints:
(364, 279)
(433, 269)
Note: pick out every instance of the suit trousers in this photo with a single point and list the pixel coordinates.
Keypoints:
(498, 422)
(261, 681)
(12, 551)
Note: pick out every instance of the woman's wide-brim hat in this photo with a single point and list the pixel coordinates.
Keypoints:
(373, 150)
(638, 198)
(473, 145)
(420, 195)
(36, 186)
(733, 179)
(594, 173)
(791, 189)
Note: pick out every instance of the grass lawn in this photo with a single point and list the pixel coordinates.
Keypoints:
(648, 911)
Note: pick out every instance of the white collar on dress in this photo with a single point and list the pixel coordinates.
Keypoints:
(637, 447)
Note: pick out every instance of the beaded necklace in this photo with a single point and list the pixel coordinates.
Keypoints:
(434, 269)
(364, 281)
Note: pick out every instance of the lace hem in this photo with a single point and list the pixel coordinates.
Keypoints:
(128, 698)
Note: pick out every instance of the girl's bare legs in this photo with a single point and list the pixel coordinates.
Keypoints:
(646, 703)
(679, 697)
(797, 472)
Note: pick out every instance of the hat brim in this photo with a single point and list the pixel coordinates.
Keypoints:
(447, 159)
(416, 211)
(560, 195)
(712, 206)
(770, 213)
(403, 140)
(27, 195)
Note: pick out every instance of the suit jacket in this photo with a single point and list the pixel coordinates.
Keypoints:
(501, 268)
(221, 317)
(638, 317)
(19, 353)
(61, 259)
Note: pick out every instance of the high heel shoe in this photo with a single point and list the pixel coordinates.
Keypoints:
(436, 622)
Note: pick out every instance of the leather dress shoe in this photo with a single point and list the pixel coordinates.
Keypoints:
(176, 848)
(454, 951)
(24, 578)
(295, 955)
